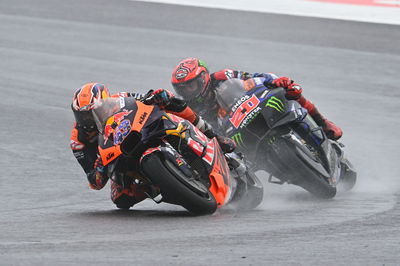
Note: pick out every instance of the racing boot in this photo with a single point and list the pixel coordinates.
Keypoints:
(227, 145)
(124, 198)
(331, 130)
(249, 190)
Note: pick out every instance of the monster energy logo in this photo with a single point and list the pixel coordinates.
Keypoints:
(275, 103)
(237, 138)
(271, 140)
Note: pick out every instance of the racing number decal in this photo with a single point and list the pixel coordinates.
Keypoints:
(244, 110)
(122, 131)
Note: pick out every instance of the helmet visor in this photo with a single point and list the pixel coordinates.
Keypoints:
(229, 92)
(85, 120)
(104, 110)
(190, 89)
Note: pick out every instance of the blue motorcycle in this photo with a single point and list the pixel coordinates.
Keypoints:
(272, 130)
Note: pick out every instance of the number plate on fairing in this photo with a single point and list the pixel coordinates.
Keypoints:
(244, 111)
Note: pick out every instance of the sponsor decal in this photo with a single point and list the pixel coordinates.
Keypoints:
(250, 117)
(143, 117)
(271, 140)
(237, 138)
(122, 131)
(276, 104)
(113, 122)
(121, 102)
(239, 102)
(245, 112)
(110, 155)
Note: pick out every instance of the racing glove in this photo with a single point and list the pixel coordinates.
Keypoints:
(283, 82)
(161, 97)
(293, 91)
(97, 177)
(98, 164)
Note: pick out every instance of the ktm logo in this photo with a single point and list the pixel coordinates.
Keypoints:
(142, 117)
(109, 156)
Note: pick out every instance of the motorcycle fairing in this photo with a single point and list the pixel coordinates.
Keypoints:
(209, 152)
(247, 109)
(118, 126)
(221, 185)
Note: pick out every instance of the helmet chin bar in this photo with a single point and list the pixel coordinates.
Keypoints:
(85, 120)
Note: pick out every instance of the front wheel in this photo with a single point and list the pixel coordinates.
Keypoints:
(176, 187)
(297, 171)
(348, 178)
(251, 190)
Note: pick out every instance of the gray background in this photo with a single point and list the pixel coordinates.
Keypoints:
(49, 216)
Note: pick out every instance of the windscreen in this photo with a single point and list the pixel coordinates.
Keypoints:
(229, 92)
(103, 110)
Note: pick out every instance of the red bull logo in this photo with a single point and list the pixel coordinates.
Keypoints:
(113, 122)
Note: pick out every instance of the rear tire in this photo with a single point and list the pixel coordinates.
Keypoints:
(174, 189)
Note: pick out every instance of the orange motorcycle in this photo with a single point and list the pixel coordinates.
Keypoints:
(145, 145)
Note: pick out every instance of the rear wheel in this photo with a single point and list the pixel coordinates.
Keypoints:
(176, 187)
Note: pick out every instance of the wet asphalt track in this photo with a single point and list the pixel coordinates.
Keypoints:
(49, 216)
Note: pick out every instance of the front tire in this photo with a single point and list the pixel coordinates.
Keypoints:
(175, 189)
(294, 169)
(251, 195)
(349, 177)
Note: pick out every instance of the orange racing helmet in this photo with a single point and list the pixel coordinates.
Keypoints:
(85, 99)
